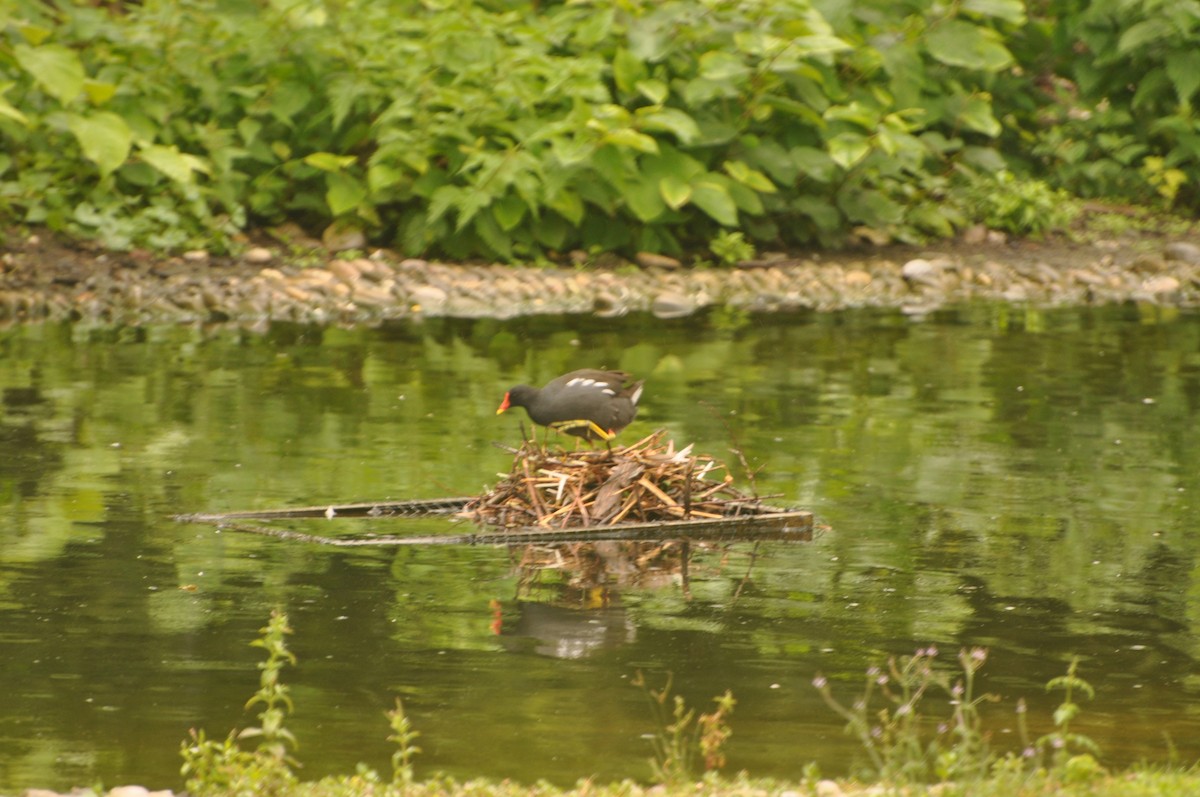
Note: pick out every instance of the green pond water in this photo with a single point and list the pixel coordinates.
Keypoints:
(1018, 479)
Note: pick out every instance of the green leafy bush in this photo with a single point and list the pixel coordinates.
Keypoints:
(517, 129)
(1116, 86)
(1022, 207)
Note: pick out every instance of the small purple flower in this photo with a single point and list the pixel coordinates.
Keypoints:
(820, 682)
(1029, 752)
(957, 689)
(872, 672)
(942, 728)
(876, 732)
(979, 654)
(882, 680)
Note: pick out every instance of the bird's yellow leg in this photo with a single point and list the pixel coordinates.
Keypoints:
(567, 426)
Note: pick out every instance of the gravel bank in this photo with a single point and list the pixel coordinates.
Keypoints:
(39, 282)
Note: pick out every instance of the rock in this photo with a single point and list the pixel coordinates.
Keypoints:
(651, 260)
(428, 298)
(670, 304)
(1085, 277)
(919, 270)
(1148, 265)
(1161, 284)
(872, 236)
(1181, 250)
(258, 255)
(196, 256)
(828, 788)
(129, 791)
(974, 235)
(857, 278)
(608, 305)
(374, 268)
(342, 235)
(996, 237)
(345, 270)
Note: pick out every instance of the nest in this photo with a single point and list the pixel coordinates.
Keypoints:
(648, 481)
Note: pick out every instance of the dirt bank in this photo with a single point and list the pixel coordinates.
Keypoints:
(42, 279)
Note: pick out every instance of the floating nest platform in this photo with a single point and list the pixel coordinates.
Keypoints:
(645, 491)
(646, 482)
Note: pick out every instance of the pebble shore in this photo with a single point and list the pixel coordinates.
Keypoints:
(119, 791)
(260, 286)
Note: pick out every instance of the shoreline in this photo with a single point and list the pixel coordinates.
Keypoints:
(46, 282)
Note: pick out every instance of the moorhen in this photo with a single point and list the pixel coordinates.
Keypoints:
(590, 403)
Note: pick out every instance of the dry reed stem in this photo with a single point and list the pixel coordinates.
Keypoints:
(646, 481)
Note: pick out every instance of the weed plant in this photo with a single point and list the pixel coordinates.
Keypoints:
(910, 752)
(906, 747)
(680, 734)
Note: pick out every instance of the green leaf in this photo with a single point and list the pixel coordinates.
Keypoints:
(1012, 11)
(643, 199)
(344, 192)
(98, 91)
(53, 67)
(670, 162)
(485, 227)
(847, 149)
(1183, 68)
(288, 100)
(824, 214)
(8, 109)
(869, 206)
(654, 90)
(814, 163)
(104, 137)
(381, 176)
(328, 161)
(670, 120)
(629, 138)
(772, 157)
(675, 191)
(469, 203)
(821, 44)
(628, 69)
(509, 211)
(34, 34)
(569, 205)
(746, 199)
(569, 151)
(959, 43)
(976, 114)
(722, 67)
(1144, 33)
(178, 166)
(751, 178)
(714, 199)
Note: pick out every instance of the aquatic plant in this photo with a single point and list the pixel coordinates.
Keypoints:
(679, 734)
(894, 736)
(403, 735)
(213, 767)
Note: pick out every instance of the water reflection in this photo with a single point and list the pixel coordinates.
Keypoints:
(1014, 478)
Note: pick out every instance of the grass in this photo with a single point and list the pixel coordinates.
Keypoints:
(910, 753)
